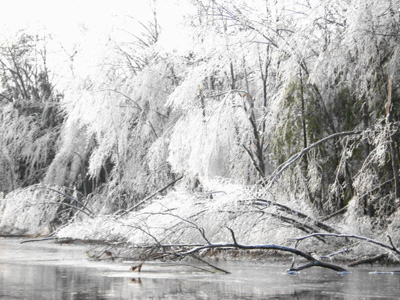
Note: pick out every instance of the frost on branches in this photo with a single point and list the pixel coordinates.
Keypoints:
(296, 102)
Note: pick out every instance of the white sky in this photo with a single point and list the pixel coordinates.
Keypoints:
(65, 17)
(87, 23)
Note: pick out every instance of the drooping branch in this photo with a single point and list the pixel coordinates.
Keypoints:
(336, 213)
(151, 196)
(254, 161)
(295, 223)
(287, 209)
(279, 170)
(390, 247)
(186, 220)
(344, 209)
(301, 226)
(64, 204)
(84, 207)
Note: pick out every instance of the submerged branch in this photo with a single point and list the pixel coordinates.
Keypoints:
(211, 265)
(48, 238)
(368, 260)
(312, 261)
(318, 263)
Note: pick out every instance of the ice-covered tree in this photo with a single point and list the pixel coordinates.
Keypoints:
(30, 115)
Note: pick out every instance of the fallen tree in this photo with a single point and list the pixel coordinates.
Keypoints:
(167, 230)
(179, 252)
(160, 251)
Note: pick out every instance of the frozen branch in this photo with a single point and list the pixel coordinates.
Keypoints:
(287, 209)
(312, 261)
(279, 170)
(84, 207)
(151, 196)
(301, 226)
(329, 256)
(391, 247)
(64, 204)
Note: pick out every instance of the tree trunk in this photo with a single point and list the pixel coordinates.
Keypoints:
(389, 110)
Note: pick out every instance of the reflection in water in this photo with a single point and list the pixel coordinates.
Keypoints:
(52, 282)
(46, 271)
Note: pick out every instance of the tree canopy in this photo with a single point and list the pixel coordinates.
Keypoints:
(294, 99)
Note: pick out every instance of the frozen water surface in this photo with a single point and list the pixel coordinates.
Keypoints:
(43, 270)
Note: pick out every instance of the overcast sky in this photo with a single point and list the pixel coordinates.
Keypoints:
(66, 18)
(87, 23)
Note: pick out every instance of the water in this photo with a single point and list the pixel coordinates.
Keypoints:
(43, 270)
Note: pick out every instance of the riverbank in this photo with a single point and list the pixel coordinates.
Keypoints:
(47, 270)
(117, 252)
(231, 215)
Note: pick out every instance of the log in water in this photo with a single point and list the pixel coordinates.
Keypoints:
(48, 271)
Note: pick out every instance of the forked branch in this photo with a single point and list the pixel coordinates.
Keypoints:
(313, 262)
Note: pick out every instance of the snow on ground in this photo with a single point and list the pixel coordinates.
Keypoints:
(182, 217)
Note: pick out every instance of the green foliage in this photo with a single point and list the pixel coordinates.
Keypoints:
(288, 137)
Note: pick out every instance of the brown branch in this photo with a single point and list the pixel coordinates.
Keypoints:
(368, 260)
